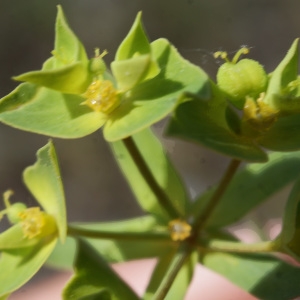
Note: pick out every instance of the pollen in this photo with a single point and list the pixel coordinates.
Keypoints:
(101, 96)
(179, 230)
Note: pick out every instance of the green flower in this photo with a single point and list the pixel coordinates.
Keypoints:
(73, 96)
(26, 245)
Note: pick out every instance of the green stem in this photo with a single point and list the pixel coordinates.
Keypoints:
(216, 197)
(98, 234)
(238, 247)
(175, 266)
(160, 194)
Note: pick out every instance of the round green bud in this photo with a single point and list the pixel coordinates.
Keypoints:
(14, 210)
(246, 78)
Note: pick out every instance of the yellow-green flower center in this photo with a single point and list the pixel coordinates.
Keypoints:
(101, 96)
(35, 222)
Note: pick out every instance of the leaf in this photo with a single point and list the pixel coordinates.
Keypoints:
(70, 79)
(135, 42)
(283, 135)
(21, 264)
(68, 48)
(45, 111)
(284, 73)
(265, 277)
(251, 187)
(160, 167)
(133, 62)
(115, 250)
(130, 72)
(204, 120)
(152, 100)
(94, 276)
(13, 238)
(289, 238)
(181, 282)
(43, 179)
(68, 70)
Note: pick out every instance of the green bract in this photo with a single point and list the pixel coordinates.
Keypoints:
(26, 245)
(50, 102)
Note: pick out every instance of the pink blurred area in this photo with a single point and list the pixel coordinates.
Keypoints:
(205, 285)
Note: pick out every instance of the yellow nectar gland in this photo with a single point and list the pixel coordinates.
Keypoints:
(259, 114)
(101, 96)
(34, 222)
(179, 230)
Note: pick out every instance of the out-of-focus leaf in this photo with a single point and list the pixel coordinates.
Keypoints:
(44, 182)
(93, 277)
(181, 282)
(114, 250)
(250, 187)
(265, 277)
(161, 168)
(13, 238)
(289, 238)
(205, 120)
(19, 265)
(284, 73)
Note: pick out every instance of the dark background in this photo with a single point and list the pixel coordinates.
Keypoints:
(94, 187)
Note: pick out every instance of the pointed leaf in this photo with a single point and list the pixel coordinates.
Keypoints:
(45, 111)
(21, 264)
(94, 276)
(68, 70)
(204, 120)
(133, 62)
(136, 42)
(44, 182)
(154, 99)
(251, 187)
(284, 73)
(265, 277)
(116, 250)
(161, 168)
(70, 79)
(68, 48)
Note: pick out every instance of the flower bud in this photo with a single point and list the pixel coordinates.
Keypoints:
(238, 80)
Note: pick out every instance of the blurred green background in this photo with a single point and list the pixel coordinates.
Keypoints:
(95, 189)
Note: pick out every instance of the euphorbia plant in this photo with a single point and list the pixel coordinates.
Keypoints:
(246, 115)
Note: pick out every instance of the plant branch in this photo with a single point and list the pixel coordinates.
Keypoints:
(239, 247)
(117, 235)
(175, 266)
(216, 197)
(160, 194)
